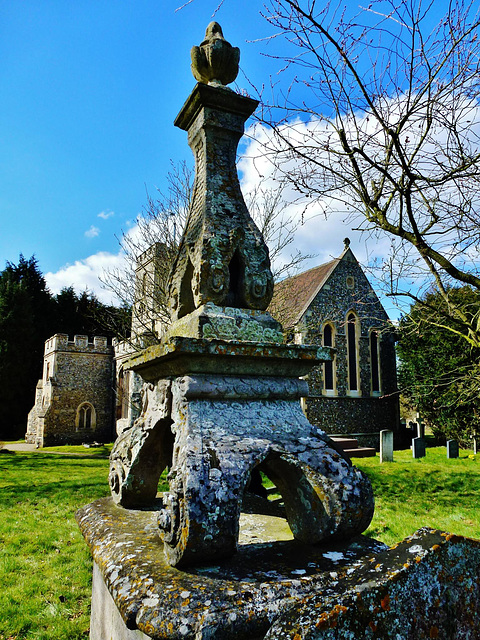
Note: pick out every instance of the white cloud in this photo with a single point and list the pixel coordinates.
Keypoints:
(93, 232)
(105, 215)
(317, 233)
(84, 275)
(331, 212)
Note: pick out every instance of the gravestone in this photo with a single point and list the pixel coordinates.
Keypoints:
(221, 401)
(386, 446)
(418, 447)
(452, 449)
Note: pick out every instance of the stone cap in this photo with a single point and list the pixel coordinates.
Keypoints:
(283, 589)
(204, 95)
(237, 599)
(178, 356)
(227, 323)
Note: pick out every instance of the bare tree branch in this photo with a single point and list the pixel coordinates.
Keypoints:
(382, 116)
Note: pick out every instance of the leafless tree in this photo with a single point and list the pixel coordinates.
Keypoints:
(378, 113)
(150, 248)
(273, 216)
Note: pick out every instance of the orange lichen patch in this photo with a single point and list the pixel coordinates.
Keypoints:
(148, 628)
(435, 547)
(406, 565)
(418, 559)
(297, 636)
(434, 632)
(329, 619)
(385, 603)
(323, 622)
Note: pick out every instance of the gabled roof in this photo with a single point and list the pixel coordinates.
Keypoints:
(293, 296)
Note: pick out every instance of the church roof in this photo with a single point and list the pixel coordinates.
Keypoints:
(293, 296)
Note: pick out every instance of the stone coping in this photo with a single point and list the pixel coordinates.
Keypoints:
(240, 598)
(178, 356)
(426, 586)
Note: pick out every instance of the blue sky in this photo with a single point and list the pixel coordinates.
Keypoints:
(90, 90)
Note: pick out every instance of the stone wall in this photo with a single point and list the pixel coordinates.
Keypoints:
(361, 418)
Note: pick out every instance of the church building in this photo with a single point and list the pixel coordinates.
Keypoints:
(75, 397)
(334, 305)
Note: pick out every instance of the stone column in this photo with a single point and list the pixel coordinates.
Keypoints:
(222, 257)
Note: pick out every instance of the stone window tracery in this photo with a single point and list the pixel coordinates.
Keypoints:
(352, 329)
(86, 416)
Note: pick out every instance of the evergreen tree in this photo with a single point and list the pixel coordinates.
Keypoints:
(84, 314)
(26, 314)
(439, 372)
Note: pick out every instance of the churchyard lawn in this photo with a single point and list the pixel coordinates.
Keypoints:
(45, 567)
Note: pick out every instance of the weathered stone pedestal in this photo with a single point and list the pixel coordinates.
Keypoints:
(220, 411)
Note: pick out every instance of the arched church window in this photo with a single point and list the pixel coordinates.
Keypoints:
(352, 351)
(328, 366)
(86, 417)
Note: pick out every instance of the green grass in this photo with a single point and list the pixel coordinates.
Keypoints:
(98, 452)
(45, 566)
(431, 491)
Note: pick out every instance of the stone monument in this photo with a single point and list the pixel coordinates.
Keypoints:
(221, 402)
(224, 394)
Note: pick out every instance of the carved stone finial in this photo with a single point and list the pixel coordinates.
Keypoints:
(215, 61)
(346, 242)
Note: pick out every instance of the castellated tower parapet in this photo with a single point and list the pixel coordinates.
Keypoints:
(61, 342)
